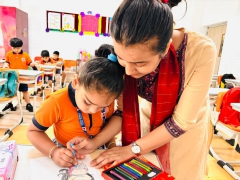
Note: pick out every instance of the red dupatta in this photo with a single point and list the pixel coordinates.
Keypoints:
(163, 103)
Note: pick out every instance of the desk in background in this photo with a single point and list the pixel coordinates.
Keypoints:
(29, 152)
(234, 82)
(30, 77)
(236, 106)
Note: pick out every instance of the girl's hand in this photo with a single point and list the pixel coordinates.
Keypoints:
(82, 146)
(63, 157)
(113, 155)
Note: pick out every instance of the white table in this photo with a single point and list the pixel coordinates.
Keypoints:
(25, 153)
(234, 82)
(2, 81)
(49, 70)
(31, 77)
(236, 106)
(215, 91)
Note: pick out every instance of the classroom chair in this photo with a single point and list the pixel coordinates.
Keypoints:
(70, 68)
(227, 132)
(8, 99)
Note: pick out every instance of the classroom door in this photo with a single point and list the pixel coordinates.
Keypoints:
(217, 34)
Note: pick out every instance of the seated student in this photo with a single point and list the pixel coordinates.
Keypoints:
(59, 62)
(46, 60)
(17, 59)
(81, 109)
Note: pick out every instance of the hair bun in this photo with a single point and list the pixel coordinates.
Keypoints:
(104, 50)
(173, 3)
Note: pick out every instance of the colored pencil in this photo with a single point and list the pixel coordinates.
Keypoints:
(123, 170)
(124, 174)
(117, 175)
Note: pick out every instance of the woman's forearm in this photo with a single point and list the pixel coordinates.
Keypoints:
(156, 138)
(112, 128)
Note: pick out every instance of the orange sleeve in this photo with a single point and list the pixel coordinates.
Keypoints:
(47, 114)
(28, 59)
(52, 61)
(111, 110)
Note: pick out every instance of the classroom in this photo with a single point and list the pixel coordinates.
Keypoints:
(119, 90)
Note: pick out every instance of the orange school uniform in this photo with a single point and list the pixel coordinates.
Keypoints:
(18, 61)
(50, 61)
(57, 60)
(59, 110)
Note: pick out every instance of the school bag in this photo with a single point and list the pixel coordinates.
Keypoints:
(227, 114)
(8, 89)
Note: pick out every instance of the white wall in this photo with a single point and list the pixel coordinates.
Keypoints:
(230, 60)
(194, 17)
(67, 44)
(217, 11)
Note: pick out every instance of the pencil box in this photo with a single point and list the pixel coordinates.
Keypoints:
(135, 168)
(8, 159)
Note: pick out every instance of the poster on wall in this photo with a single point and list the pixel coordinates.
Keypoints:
(68, 22)
(54, 20)
(89, 24)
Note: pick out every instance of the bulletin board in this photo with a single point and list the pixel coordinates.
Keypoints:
(61, 22)
(82, 23)
(89, 24)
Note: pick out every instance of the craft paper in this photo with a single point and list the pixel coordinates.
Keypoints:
(54, 20)
(68, 22)
(45, 168)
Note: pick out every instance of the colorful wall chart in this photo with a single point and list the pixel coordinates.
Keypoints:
(83, 24)
(7, 28)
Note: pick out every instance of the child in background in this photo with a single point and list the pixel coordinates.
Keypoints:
(46, 60)
(17, 59)
(59, 62)
(81, 109)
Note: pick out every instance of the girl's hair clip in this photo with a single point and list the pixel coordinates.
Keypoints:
(165, 1)
(112, 58)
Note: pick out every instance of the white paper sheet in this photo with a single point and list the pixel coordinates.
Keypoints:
(45, 168)
(68, 22)
(54, 20)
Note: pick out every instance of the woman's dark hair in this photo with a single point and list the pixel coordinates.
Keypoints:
(16, 42)
(45, 53)
(101, 74)
(140, 21)
(173, 3)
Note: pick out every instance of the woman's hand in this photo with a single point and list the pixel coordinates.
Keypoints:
(82, 146)
(63, 157)
(113, 155)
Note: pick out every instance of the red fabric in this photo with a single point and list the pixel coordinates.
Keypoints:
(163, 103)
(227, 114)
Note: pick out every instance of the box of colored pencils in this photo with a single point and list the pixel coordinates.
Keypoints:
(136, 168)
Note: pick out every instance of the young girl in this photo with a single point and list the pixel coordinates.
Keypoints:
(171, 71)
(81, 109)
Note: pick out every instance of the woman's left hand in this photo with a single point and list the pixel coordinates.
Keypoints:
(113, 155)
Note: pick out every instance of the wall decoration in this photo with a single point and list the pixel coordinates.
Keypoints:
(83, 24)
(54, 20)
(89, 24)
